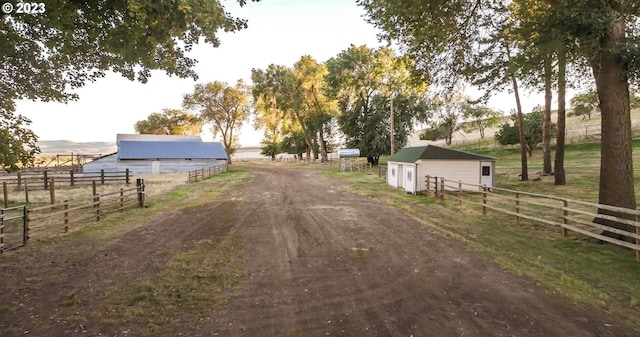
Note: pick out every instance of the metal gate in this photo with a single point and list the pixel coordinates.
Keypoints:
(13, 228)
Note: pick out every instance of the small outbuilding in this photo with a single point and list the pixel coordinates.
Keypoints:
(408, 167)
(143, 154)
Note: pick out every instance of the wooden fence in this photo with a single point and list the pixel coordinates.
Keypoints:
(42, 180)
(42, 221)
(566, 214)
(203, 173)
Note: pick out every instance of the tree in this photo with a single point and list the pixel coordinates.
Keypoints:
(268, 97)
(584, 104)
(17, 143)
(507, 134)
(270, 148)
(46, 56)
(366, 82)
(226, 107)
(449, 111)
(313, 110)
(170, 122)
(605, 34)
(434, 132)
(479, 117)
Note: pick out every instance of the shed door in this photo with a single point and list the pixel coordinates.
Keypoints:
(155, 167)
(410, 181)
(400, 176)
(486, 173)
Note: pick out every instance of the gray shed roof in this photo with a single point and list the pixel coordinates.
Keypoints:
(170, 150)
(413, 154)
(155, 138)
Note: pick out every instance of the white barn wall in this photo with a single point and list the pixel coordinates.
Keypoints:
(467, 171)
(107, 163)
(111, 163)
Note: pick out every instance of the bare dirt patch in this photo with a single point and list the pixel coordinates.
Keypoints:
(318, 261)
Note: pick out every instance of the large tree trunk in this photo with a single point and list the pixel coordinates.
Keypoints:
(323, 146)
(616, 164)
(546, 121)
(559, 174)
(523, 146)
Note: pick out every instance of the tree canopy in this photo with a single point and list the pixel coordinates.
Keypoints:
(225, 107)
(170, 122)
(584, 104)
(46, 56)
(368, 84)
(292, 105)
(17, 143)
(507, 134)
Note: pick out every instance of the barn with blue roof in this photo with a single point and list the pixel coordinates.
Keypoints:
(153, 154)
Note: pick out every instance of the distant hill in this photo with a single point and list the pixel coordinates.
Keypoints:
(68, 147)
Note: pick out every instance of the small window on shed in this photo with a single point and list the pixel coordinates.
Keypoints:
(486, 171)
(409, 175)
(393, 172)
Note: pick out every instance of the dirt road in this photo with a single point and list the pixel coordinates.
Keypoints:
(323, 262)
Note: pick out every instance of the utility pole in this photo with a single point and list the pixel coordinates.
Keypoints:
(392, 128)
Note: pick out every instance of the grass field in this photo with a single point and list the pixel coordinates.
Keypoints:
(582, 168)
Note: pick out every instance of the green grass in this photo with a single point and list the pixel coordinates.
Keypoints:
(582, 168)
(602, 277)
(183, 196)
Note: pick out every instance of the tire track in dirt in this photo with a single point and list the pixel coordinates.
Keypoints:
(326, 262)
(90, 267)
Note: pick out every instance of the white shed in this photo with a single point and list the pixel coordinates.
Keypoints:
(160, 154)
(408, 168)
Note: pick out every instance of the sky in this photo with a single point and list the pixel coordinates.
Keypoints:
(279, 32)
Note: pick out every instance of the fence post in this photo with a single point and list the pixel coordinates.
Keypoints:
(102, 177)
(71, 178)
(140, 189)
(52, 191)
(26, 192)
(19, 181)
(2, 231)
(460, 192)
(428, 181)
(442, 188)
(637, 240)
(25, 227)
(517, 208)
(565, 213)
(126, 176)
(46, 180)
(484, 199)
(435, 187)
(5, 194)
(66, 216)
(95, 191)
(97, 204)
(121, 200)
